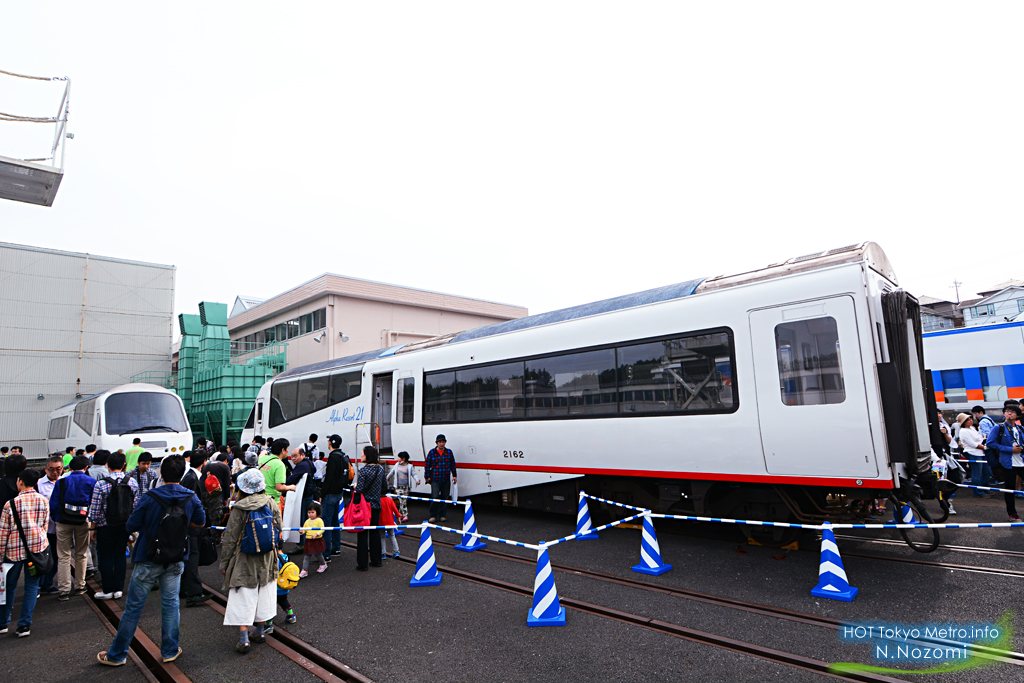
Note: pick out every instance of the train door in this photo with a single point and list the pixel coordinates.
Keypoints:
(405, 431)
(380, 414)
(258, 422)
(811, 396)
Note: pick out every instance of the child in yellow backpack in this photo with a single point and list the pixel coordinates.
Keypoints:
(287, 579)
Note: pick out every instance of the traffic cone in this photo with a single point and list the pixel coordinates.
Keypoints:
(650, 552)
(832, 581)
(426, 567)
(583, 521)
(469, 542)
(546, 610)
(906, 515)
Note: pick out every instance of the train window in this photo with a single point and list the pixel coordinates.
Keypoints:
(283, 402)
(687, 374)
(439, 397)
(406, 399)
(313, 395)
(58, 428)
(489, 392)
(954, 387)
(810, 372)
(83, 415)
(345, 385)
(144, 411)
(572, 384)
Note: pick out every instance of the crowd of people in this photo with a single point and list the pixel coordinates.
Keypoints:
(993, 451)
(88, 509)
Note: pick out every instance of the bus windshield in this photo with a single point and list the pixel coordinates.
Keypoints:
(144, 411)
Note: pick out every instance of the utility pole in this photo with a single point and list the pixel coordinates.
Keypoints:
(956, 286)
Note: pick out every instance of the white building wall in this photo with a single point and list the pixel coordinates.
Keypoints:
(66, 316)
(1005, 304)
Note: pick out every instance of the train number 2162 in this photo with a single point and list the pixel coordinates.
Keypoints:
(513, 454)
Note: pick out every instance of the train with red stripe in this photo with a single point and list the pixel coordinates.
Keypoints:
(795, 393)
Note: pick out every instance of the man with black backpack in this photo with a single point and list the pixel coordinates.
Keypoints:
(113, 499)
(69, 505)
(191, 585)
(162, 518)
(333, 490)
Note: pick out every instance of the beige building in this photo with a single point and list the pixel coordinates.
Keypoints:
(333, 316)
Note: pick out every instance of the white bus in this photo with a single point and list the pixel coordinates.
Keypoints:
(790, 393)
(112, 419)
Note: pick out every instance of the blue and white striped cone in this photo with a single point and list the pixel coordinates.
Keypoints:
(583, 521)
(546, 610)
(426, 573)
(906, 515)
(832, 581)
(650, 552)
(470, 542)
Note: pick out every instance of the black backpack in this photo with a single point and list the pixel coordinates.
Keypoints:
(120, 501)
(171, 540)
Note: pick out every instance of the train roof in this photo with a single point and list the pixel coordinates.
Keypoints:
(866, 252)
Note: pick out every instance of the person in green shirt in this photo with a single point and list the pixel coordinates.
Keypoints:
(133, 453)
(274, 471)
(68, 454)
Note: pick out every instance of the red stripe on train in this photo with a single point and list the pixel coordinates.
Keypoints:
(706, 476)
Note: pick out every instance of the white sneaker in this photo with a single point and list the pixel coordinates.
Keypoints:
(951, 510)
(104, 596)
(118, 595)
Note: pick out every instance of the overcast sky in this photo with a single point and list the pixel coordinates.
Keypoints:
(537, 153)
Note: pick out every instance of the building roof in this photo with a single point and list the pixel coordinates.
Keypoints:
(929, 300)
(93, 257)
(995, 289)
(967, 303)
(330, 283)
(243, 304)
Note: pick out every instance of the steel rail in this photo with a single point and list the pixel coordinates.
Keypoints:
(778, 656)
(1007, 657)
(955, 548)
(142, 651)
(315, 661)
(941, 565)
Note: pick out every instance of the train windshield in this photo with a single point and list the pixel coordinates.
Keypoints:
(144, 411)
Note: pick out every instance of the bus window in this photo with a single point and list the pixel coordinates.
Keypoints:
(58, 428)
(144, 411)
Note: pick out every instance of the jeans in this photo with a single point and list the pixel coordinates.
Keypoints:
(28, 602)
(111, 542)
(72, 545)
(981, 473)
(47, 581)
(442, 490)
(331, 508)
(369, 538)
(144, 576)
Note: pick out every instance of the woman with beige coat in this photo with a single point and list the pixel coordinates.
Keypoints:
(250, 580)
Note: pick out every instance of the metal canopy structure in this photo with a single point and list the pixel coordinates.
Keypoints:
(31, 180)
(26, 181)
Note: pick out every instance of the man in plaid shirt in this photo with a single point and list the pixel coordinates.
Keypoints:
(34, 513)
(440, 474)
(111, 540)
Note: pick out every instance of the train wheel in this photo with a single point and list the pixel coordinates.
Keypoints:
(921, 540)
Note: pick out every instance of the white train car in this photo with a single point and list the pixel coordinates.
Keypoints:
(981, 365)
(113, 418)
(765, 395)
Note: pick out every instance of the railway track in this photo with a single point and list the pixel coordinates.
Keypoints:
(953, 548)
(777, 656)
(146, 654)
(1014, 658)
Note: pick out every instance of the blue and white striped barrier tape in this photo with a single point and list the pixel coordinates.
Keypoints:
(411, 497)
(843, 525)
(612, 502)
(987, 488)
(571, 537)
(531, 546)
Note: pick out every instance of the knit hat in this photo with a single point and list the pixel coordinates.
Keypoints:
(251, 481)
(961, 418)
